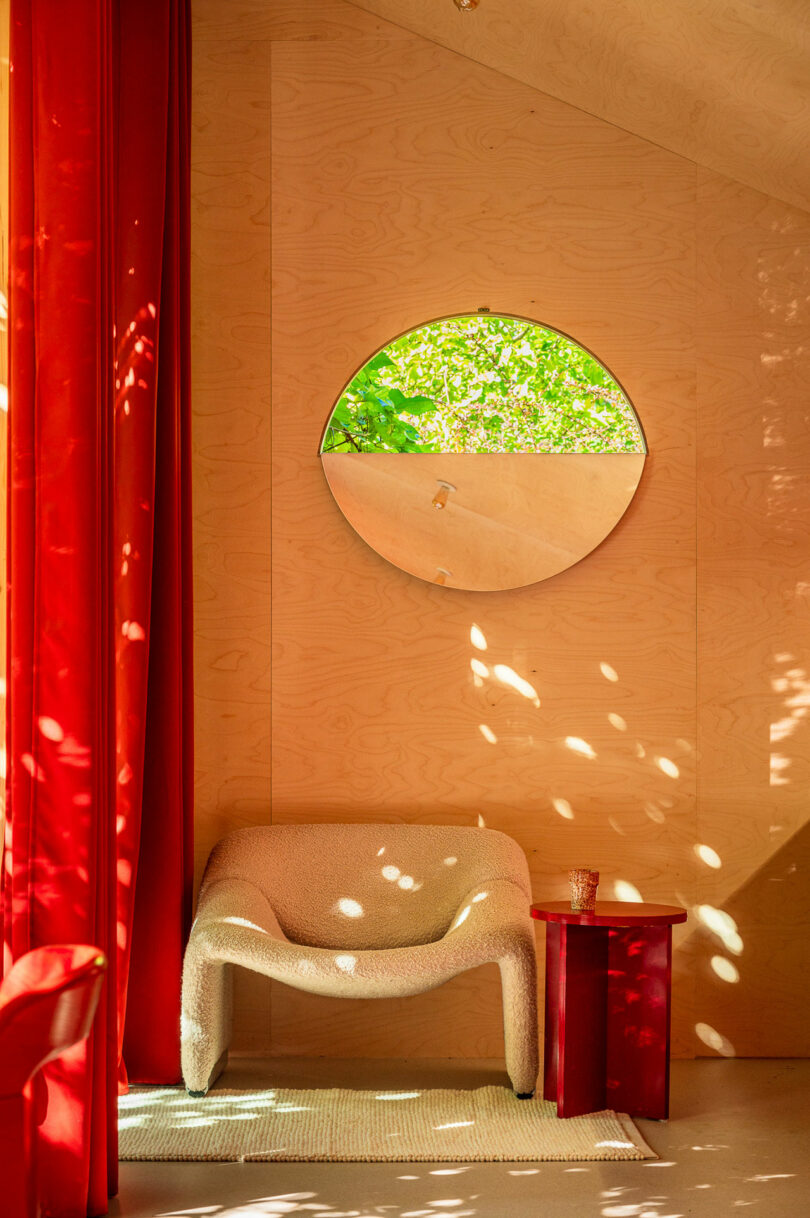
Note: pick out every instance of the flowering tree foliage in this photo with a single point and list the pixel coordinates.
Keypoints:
(483, 384)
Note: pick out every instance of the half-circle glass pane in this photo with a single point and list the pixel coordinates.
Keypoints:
(483, 384)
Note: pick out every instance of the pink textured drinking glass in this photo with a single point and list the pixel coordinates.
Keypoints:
(584, 883)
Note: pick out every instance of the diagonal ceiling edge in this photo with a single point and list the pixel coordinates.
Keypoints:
(724, 83)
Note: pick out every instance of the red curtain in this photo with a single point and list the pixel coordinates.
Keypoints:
(98, 833)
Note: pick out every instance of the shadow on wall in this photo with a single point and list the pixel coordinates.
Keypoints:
(754, 965)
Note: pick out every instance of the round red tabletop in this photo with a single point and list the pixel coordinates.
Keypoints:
(610, 913)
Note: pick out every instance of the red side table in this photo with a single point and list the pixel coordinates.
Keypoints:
(608, 982)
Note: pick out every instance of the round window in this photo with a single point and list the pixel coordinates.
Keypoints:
(483, 451)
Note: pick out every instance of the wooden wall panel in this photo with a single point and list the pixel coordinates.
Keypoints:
(231, 435)
(754, 613)
(409, 182)
(723, 82)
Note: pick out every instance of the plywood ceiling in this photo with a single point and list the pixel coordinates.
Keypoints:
(725, 83)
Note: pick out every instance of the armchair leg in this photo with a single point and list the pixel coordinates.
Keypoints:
(519, 982)
(206, 1021)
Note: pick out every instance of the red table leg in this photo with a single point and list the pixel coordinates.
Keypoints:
(638, 1020)
(576, 997)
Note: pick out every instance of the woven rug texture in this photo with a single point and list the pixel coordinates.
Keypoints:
(338, 1125)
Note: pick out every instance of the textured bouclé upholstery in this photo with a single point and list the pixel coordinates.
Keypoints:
(359, 911)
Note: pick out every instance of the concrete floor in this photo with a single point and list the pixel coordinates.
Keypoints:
(738, 1138)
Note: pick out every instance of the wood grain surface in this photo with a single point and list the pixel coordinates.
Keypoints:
(723, 82)
(409, 182)
(753, 559)
(511, 519)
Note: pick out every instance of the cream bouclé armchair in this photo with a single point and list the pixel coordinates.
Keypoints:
(359, 911)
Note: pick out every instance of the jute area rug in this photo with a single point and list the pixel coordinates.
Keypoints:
(342, 1126)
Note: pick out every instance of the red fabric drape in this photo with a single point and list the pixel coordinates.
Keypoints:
(99, 726)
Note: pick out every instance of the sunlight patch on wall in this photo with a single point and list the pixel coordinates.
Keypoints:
(714, 1039)
(725, 969)
(477, 637)
(577, 745)
(623, 890)
(508, 676)
(721, 924)
(708, 856)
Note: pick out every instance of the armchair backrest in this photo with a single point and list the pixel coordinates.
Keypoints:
(368, 886)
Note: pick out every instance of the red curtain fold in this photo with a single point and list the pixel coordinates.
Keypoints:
(99, 784)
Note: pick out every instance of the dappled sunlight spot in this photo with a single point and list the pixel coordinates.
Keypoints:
(477, 637)
(563, 807)
(577, 745)
(721, 924)
(50, 729)
(778, 764)
(684, 744)
(725, 969)
(462, 917)
(708, 856)
(641, 752)
(715, 1040)
(616, 827)
(345, 963)
(133, 631)
(655, 814)
(776, 1175)
(448, 1171)
(480, 896)
(406, 881)
(398, 1095)
(407, 1177)
(454, 1125)
(616, 1144)
(391, 873)
(623, 890)
(482, 824)
(33, 767)
(349, 908)
(668, 767)
(381, 851)
(479, 667)
(526, 1171)
(487, 733)
(306, 967)
(608, 672)
(130, 1122)
(451, 861)
(477, 681)
(618, 722)
(508, 676)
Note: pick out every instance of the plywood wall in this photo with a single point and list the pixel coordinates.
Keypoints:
(352, 179)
